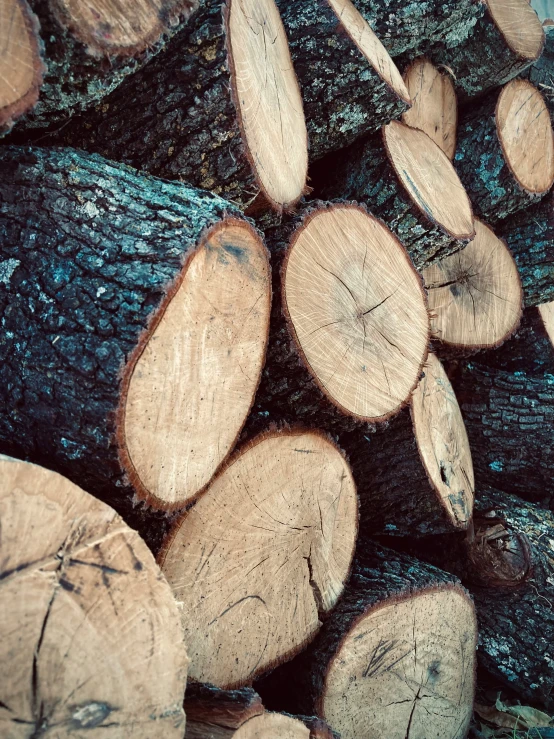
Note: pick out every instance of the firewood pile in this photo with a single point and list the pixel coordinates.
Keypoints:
(276, 369)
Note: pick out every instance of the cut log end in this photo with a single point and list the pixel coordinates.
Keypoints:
(21, 67)
(525, 134)
(443, 443)
(546, 311)
(192, 380)
(389, 675)
(270, 725)
(430, 179)
(357, 310)
(434, 107)
(268, 100)
(475, 296)
(263, 552)
(519, 25)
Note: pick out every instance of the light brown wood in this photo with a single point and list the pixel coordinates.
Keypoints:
(429, 178)
(442, 442)
(91, 641)
(525, 133)
(268, 99)
(519, 24)
(261, 554)
(434, 106)
(194, 383)
(475, 296)
(405, 670)
(271, 726)
(547, 314)
(357, 310)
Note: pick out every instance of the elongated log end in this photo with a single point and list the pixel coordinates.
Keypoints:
(519, 25)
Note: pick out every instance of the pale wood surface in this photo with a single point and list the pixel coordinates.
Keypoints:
(519, 24)
(271, 726)
(265, 549)
(547, 314)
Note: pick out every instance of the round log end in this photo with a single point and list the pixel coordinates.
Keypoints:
(268, 100)
(429, 179)
(263, 553)
(443, 443)
(519, 25)
(475, 296)
(271, 725)
(546, 312)
(91, 635)
(191, 381)
(525, 134)
(434, 106)
(357, 310)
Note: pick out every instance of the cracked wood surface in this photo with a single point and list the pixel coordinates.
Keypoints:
(92, 641)
(262, 555)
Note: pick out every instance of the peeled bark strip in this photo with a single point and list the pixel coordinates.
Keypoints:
(530, 236)
(134, 317)
(82, 604)
(409, 183)
(262, 554)
(505, 155)
(396, 656)
(220, 109)
(416, 478)
(475, 296)
(507, 398)
(350, 85)
(21, 66)
(434, 105)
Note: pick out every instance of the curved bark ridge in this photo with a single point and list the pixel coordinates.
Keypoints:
(20, 64)
(268, 100)
(546, 311)
(85, 599)
(195, 380)
(405, 666)
(367, 42)
(430, 179)
(271, 725)
(525, 133)
(357, 310)
(475, 296)
(520, 26)
(434, 106)
(442, 442)
(263, 552)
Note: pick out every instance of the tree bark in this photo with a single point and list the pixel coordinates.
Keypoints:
(541, 74)
(95, 261)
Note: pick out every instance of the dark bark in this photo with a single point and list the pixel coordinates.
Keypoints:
(530, 237)
(343, 95)
(507, 400)
(541, 74)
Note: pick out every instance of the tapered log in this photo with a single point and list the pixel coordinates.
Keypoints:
(434, 107)
(507, 399)
(134, 317)
(410, 183)
(220, 109)
(91, 637)
(21, 66)
(395, 657)
(530, 237)
(262, 555)
(475, 296)
(505, 155)
(349, 324)
(349, 83)
(416, 478)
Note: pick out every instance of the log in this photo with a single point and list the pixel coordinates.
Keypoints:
(415, 478)
(134, 317)
(21, 66)
(396, 657)
(541, 74)
(349, 325)
(349, 83)
(530, 237)
(475, 296)
(505, 155)
(262, 556)
(82, 604)
(220, 109)
(410, 183)
(434, 107)
(507, 399)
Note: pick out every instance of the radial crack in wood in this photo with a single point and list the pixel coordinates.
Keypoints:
(262, 554)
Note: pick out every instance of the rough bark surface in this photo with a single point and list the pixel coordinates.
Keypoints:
(541, 74)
